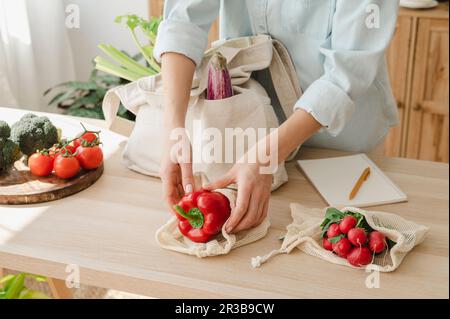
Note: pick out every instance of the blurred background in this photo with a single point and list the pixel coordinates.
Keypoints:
(48, 42)
(39, 51)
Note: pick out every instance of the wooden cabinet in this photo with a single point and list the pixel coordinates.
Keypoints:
(418, 66)
(397, 58)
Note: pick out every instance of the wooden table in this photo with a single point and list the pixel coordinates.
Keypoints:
(108, 231)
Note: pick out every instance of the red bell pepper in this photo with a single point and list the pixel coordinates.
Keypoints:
(202, 214)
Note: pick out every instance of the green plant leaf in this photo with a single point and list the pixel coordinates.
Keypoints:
(60, 98)
(124, 60)
(326, 227)
(95, 113)
(122, 110)
(91, 99)
(107, 79)
(336, 239)
(110, 68)
(332, 216)
(333, 213)
(390, 243)
(100, 92)
(78, 85)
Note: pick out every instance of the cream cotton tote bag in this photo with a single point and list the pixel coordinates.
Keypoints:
(249, 107)
(305, 234)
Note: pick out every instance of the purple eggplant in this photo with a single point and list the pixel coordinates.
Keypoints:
(219, 80)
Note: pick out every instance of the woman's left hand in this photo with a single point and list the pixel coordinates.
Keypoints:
(252, 196)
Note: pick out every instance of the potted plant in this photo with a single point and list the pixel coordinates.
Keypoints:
(84, 99)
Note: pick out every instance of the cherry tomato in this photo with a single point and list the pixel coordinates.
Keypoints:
(53, 152)
(89, 137)
(66, 166)
(56, 150)
(90, 157)
(75, 144)
(71, 149)
(40, 164)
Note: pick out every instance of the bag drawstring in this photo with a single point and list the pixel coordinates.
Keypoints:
(259, 260)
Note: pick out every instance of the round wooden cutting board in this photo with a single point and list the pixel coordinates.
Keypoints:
(19, 186)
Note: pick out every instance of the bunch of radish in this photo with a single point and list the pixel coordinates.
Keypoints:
(349, 236)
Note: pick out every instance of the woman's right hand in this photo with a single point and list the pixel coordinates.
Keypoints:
(176, 172)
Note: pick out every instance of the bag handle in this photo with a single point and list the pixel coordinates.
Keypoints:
(285, 82)
(110, 107)
(284, 78)
(132, 96)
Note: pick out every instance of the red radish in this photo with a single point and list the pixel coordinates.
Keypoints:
(219, 80)
(333, 231)
(360, 256)
(357, 236)
(347, 223)
(377, 242)
(342, 247)
(326, 244)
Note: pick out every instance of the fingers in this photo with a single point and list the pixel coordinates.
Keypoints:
(187, 177)
(256, 212)
(264, 212)
(172, 192)
(171, 184)
(242, 202)
(252, 214)
(220, 183)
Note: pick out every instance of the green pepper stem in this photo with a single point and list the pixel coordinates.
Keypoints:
(194, 216)
(180, 211)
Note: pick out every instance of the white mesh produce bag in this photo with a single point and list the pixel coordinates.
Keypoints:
(304, 233)
(169, 237)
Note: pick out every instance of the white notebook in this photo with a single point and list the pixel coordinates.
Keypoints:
(335, 178)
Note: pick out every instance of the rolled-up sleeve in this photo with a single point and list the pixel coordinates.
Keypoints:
(361, 32)
(185, 28)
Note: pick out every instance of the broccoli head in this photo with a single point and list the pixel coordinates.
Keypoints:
(9, 153)
(2, 162)
(5, 130)
(34, 133)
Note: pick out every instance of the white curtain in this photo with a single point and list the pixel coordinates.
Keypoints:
(35, 51)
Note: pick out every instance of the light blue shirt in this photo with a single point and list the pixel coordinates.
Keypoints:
(337, 46)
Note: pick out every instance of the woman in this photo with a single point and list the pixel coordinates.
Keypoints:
(337, 47)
